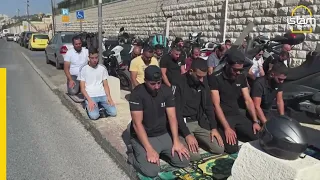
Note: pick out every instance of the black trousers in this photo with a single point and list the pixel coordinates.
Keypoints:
(243, 128)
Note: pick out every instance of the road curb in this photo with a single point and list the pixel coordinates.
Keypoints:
(120, 160)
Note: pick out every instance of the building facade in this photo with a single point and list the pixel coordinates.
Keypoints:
(144, 17)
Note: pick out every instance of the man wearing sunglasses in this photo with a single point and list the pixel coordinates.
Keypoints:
(152, 106)
(268, 88)
(227, 86)
(195, 112)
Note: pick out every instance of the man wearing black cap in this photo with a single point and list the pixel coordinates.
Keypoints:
(195, 112)
(152, 105)
(227, 86)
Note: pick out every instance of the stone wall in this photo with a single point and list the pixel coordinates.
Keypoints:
(144, 17)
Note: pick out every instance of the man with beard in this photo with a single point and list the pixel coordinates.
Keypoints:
(214, 58)
(195, 53)
(195, 112)
(94, 86)
(74, 59)
(152, 107)
(172, 67)
(227, 85)
(158, 51)
(140, 63)
(268, 88)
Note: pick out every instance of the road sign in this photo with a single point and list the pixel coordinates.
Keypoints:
(65, 12)
(65, 19)
(80, 14)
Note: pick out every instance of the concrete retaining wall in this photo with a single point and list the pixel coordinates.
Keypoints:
(145, 17)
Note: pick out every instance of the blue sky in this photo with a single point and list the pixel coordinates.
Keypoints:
(10, 7)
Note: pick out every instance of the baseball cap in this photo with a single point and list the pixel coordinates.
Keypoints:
(152, 73)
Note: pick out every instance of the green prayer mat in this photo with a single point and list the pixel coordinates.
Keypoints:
(210, 167)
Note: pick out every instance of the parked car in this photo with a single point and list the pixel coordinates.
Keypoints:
(38, 41)
(26, 39)
(10, 37)
(58, 46)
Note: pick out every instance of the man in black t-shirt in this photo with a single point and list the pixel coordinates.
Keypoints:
(268, 88)
(152, 106)
(227, 85)
(283, 57)
(195, 112)
(172, 67)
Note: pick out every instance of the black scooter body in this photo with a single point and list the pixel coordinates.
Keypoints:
(302, 90)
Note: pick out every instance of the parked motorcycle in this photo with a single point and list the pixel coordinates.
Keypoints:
(116, 69)
(302, 90)
(117, 57)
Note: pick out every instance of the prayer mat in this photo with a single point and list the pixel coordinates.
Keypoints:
(210, 167)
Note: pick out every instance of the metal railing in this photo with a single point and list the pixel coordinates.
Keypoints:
(74, 5)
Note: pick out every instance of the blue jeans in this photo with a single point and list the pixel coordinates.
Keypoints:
(102, 100)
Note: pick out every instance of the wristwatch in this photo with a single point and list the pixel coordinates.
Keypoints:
(257, 121)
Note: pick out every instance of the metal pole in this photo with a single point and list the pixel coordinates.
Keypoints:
(28, 15)
(53, 18)
(100, 30)
(80, 25)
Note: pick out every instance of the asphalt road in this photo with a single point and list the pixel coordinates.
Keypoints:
(44, 140)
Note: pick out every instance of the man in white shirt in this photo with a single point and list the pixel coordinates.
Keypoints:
(74, 59)
(94, 86)
(256, 69)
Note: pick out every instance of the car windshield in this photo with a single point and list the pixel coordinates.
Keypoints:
(67, 38)
(41, 36)
(10, 35)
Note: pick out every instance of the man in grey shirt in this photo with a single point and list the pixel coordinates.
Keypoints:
(215, 56)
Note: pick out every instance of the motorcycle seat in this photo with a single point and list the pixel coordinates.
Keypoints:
(307, 68)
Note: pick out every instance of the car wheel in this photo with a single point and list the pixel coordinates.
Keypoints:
(58, 65)
(47, 59)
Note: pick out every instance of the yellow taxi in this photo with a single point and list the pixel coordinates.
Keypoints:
(38, 41)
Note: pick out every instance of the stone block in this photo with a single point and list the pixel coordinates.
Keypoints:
(114, 85)
(253, 163)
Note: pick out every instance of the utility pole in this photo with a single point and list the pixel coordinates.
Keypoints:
(17, 20)
(100, 30)
(53, 17)
(28, 15)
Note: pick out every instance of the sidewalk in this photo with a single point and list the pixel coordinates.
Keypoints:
(110, 132)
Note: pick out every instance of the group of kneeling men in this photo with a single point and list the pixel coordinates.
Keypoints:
(174, 110)
(172, 116)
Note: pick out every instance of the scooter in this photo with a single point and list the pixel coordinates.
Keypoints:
(117, 58)
(117, 69)
(302, 90)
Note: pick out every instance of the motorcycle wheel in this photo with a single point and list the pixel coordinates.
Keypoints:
(125, 82)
